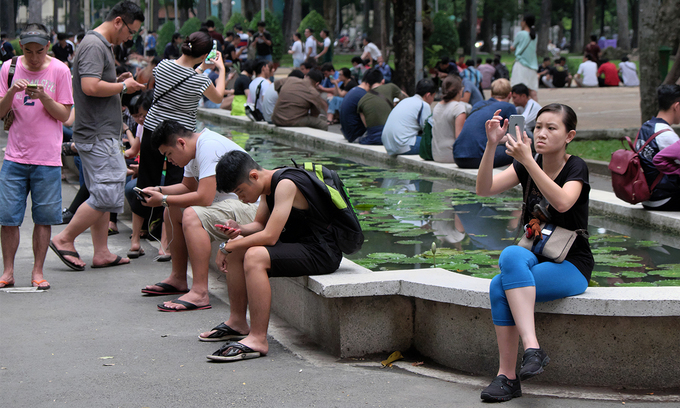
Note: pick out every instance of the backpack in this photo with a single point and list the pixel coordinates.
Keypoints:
(253, 112)
(426, 141)
(344, 223)
(628, 177)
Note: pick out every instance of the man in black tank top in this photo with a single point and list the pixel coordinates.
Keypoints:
(279, 242)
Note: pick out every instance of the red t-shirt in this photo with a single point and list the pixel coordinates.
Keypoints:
(611, 74)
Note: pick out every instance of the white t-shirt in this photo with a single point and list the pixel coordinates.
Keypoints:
(210, 147)
(298, 54)
(263, 89)
(327, 43)
(310, 43)
(530, 112)
(373, 50)
(629, 73)
(588, 70)
(268, 103)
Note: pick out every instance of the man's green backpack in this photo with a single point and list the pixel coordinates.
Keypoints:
(426, 140)
(344, 224)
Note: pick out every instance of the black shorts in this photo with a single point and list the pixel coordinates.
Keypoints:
(301, 259)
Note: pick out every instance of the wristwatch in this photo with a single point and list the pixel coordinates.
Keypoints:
(124, 91)
(164, 201)
(223, 248)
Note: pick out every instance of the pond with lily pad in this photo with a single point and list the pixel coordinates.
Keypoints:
(414, 221)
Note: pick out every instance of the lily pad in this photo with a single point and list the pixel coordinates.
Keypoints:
(386, 256)
(634, 284)
(633, 274)
(409, 242)
(670, 282)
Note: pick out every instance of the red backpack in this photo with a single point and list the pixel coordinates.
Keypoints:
(628, 177)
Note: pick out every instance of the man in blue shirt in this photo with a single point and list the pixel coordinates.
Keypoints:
(472, 73)
(385, 69)
(6, 49)
(350, 121)
(470, 144)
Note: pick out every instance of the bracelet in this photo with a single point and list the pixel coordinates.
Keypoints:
(159, 190)
(200, 69)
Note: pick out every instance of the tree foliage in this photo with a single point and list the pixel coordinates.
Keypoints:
(444, 34)
(315, 21)
(190, 26)
(165, 36)
(274, 28)
(236, 18)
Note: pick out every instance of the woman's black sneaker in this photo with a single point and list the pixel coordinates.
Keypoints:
(502, 389)
(533, 362)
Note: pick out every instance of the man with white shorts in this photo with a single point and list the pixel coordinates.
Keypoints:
(194, 207)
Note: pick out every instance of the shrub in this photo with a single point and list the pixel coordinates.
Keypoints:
(274, 28)
(17, 47)
(219, 27)
(236, 18)
(190, 26)
(97, 23)
(444, 33)
(314, 21)
(164, 36)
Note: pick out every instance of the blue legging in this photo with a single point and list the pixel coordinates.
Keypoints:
(520, 268)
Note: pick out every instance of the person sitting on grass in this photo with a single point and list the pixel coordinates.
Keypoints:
(193, 207)
(281, 241)
(557, 182)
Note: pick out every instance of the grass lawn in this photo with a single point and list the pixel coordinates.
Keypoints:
(594, 149)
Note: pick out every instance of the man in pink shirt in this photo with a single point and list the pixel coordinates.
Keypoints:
(41, 97)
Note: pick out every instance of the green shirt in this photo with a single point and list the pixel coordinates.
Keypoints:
(525, 50)
(375, 108)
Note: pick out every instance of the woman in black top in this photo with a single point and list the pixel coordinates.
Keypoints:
(559, 183)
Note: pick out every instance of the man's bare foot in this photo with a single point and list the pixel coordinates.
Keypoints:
(256, 344)
(181, 286)
(68, 246)
(190, 297)
(6, 280)
(242, 329)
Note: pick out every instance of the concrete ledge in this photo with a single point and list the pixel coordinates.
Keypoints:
(604, 337)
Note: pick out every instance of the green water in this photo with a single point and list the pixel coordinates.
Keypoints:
(404, 213)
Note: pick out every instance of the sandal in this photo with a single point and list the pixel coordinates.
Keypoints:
(222, 332)
(234, 351)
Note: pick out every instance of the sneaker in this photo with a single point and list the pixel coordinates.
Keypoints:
(66, 216)
(533, 362)
(502, 389)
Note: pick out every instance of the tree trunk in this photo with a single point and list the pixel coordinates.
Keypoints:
(183, 16)
(226, 11)
(404, 45)
(588, 24)
(385, 29)
(292, 16)
(55, 15)
(202, 10)
(330, 13)
(577, 42)
(622, 19)
(249, 8)
(8, 17)
(73, 16)
(544, 29)
(499, 32)
(464, 30)
(651, 37)
(602, 10)
(35, 11)
(367, 9)
(487, 26)
(377, 23)
(635, 18)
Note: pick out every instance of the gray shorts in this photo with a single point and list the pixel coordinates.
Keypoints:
(104, 173)
(220, 212)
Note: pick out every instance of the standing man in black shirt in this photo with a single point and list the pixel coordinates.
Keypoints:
(63, 51)
(263, 43)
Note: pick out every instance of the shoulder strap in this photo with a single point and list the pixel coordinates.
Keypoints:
(174, 87)
(652, 137)
(374, 92)
(257, 93)
(10, 74)
(488, 102)
(420, 113)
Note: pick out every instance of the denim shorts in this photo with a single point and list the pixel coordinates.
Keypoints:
(44, 183)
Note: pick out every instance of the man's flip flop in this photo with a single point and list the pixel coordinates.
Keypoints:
(222, 332)
(132, 254)
(6, 284)
(36, 284)
(116, 262)
(61, 254)
(188, 305)
(163, 258)
(167, 289)
(234, 351)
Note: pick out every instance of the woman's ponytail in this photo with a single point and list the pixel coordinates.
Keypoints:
(530, 21)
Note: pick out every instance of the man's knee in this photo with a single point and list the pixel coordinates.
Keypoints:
(256, 259)
(190, 220)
